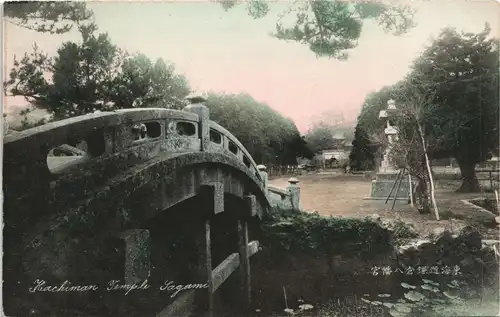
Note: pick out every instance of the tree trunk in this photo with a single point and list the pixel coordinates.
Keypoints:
(470, 184)
(429, 177)
(421, 196)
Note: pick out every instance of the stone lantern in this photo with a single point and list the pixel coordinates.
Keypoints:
(387, 174)
(390, 132)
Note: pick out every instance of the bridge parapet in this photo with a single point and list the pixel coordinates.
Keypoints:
(63, 154)
(103, 182)
(288, 198)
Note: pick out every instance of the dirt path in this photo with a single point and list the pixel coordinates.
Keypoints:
(341, 195)
(336, 195)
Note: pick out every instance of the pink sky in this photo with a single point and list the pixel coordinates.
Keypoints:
(229, 51)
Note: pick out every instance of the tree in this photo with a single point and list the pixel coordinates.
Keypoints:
(94, 75)
(323, 133)
(320, 138)
(46, 17)
(369, 138)
(411, 149)
(81, 75)
(140, 83)
(330, 28)
(269, 137)
(462, 70)
(362, 156)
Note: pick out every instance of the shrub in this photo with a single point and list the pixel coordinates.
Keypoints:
(287, 231)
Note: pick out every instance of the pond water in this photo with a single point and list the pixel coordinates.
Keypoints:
(394, 296)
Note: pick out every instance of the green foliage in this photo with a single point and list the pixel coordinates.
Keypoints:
(425, 299)
(301, 232)
(362, 156)
(268, 136)
(46, 17)
(463, 70)
(321, 135)
(320, 138)
(369, 138)
(144, 84)
(402, 232)
(452, 93)
(331, 28)
(447, 298)
(92, 75)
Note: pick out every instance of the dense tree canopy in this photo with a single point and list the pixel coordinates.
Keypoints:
(93, 75)
(457, 75)
(362, 156)
(323, 133)
(462, 69)
(46, 16)
(268, 136)
(330, 28)
(320, 138)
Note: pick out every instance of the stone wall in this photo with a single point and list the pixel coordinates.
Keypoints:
(341, 270)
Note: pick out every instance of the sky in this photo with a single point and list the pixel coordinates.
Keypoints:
(231, 52)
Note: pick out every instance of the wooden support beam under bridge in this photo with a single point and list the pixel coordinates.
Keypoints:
(185, 304)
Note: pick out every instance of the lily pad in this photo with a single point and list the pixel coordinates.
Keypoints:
(430, 282)
(408, 286)
(439, 301)
(414, 296)
(365, 300)
(439, 308)
(430, 288)
(394, 313)
(388, 305)
(454, 284)
(282, 224)
(456, 301)
(402, 308)
(450, 294)
(384, 295)
(305, 307)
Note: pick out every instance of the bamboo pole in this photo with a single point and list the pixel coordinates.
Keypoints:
(410, 189)
(397, 190)
(392, 189)
(429, 171)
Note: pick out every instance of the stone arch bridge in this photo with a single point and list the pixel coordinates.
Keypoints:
(137, 212)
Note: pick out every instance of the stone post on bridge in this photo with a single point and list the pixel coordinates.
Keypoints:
(263, 174)
(197, 106)
(294, 190)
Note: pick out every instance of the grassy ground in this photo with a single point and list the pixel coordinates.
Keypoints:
(341, 195)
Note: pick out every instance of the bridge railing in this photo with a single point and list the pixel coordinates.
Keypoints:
(112, 140)
(214, 137)
(134, 134)
(288, 198)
